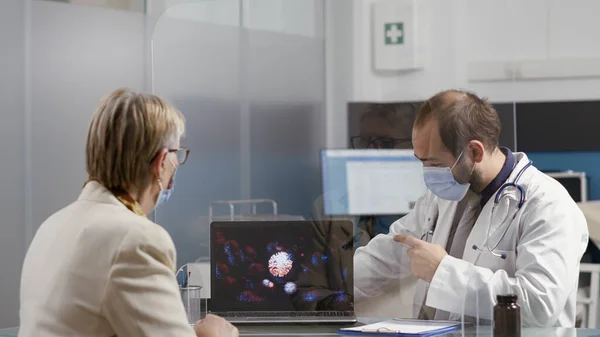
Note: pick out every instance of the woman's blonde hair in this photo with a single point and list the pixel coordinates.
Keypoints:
(127, 132)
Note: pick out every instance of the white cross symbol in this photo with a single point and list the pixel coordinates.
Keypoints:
(394, 34)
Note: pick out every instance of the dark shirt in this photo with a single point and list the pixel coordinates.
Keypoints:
(492, 187)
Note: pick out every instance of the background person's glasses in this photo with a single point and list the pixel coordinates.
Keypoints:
(182, 154)
(360, 142)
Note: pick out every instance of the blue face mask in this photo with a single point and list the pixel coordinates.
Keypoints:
(441, 182)
(165, 194)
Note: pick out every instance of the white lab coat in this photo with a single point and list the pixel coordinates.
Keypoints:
(544, 245)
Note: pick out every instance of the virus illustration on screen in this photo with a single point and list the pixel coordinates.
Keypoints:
(232, 251)
(256, 269)
(271, 248)
(316, 257)
(310, 296)
(221, 270)
(220, 238)
(266, 282)
(290, 288)
(341, 297)
(250, 253)
(232, 260)
(280, 264)
(249, 297)
(231, 246)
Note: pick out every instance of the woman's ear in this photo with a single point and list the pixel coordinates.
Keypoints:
(477, 150)
(157, 166)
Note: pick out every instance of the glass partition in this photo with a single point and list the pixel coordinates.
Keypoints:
(196, 65)
(249, 78)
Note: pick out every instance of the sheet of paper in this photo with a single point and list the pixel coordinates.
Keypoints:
(403, 326)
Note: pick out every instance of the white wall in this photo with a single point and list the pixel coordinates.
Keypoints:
(339, 59)
(12, 178)
(79, 55)
(441, 23)
(538, 30)
(130, 5)
(291, 17)
(463, 31)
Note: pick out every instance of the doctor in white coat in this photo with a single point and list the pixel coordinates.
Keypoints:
(490, 224)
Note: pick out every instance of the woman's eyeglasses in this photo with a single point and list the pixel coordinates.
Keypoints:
(182, 154)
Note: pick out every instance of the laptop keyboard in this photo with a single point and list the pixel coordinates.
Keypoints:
(285, 314)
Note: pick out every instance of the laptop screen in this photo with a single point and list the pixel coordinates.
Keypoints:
(282, 266)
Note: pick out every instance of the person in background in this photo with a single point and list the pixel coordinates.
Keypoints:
(100, 267)
(383, 126)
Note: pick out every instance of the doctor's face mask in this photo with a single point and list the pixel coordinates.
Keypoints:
(441, 182)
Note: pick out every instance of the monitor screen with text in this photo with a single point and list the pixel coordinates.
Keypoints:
(370, 181)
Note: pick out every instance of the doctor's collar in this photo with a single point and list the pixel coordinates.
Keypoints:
(500, 179)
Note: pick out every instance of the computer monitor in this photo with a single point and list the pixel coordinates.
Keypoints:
(370, 181)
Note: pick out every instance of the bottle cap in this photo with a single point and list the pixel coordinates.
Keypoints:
(507, 299)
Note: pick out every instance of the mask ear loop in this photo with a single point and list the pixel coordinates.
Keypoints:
(458, 159)
(160, 185)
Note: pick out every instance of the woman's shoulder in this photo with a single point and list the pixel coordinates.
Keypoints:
(114, 226)
(137, 237)
(139, 230)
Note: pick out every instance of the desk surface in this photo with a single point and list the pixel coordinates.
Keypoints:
(296, 330)
(311, 330)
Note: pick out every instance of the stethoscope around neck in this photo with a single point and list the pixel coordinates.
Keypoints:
(499, 195)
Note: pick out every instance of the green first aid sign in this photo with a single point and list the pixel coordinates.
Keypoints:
(394, 33)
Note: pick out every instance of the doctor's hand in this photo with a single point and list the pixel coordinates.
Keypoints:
(214, 326)
(424, 257)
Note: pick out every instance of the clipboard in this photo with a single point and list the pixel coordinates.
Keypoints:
(403, 327)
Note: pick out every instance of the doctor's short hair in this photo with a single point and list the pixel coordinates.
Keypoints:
(127, 132)
(463, 116)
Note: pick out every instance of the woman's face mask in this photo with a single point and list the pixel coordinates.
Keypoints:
(165, 193)
(441, 182)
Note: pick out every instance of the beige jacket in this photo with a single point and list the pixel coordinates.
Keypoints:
(95, 268)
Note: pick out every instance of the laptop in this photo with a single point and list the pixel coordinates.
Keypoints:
(282, 272)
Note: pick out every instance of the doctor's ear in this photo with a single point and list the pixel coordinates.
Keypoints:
(477, 150)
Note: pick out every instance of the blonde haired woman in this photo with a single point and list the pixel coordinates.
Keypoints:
(100, 267)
